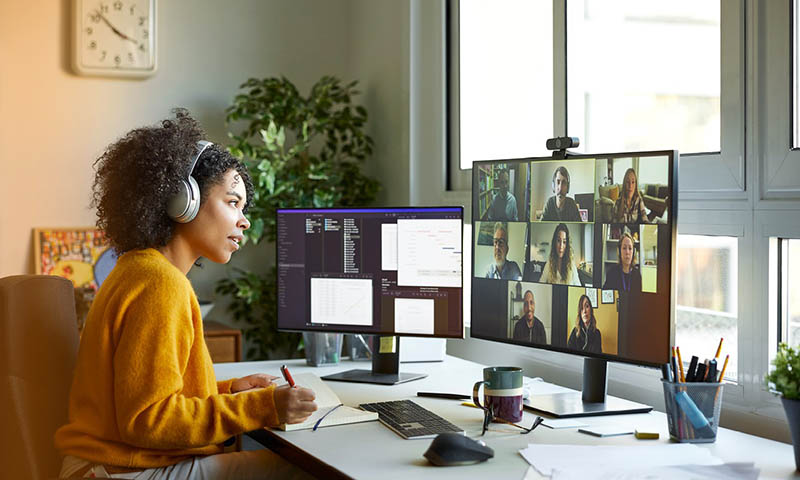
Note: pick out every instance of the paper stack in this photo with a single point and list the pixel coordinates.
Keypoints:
(585, 462)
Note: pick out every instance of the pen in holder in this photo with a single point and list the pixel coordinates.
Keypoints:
(693, 410)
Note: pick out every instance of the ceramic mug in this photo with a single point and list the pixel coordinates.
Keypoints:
(502, 392)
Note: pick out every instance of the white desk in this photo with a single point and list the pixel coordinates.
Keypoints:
(370, 450)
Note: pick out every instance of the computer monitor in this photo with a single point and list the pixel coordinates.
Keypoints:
(377, 271)
(577, 255)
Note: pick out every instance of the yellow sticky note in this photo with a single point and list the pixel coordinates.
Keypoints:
(643, 435)
(387, 345)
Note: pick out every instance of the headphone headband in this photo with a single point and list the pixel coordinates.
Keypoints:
(201, 147)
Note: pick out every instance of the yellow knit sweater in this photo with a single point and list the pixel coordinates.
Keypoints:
(144, 392)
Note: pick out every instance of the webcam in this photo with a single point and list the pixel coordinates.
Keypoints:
(562, 143)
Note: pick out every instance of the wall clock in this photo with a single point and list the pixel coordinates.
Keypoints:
(114, 37)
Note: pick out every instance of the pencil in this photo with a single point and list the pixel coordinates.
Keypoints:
(724, 366)
(719, 348)
(680, 364)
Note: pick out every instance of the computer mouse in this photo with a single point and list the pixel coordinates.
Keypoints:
(457, 449)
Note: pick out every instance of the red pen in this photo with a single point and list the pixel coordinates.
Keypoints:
(287, 375)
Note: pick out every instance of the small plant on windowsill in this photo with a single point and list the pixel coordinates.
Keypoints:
(301, 152)
(784, 380)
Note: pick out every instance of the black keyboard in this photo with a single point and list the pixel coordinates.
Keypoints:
(409, 420)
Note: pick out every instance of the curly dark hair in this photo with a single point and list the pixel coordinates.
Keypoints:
(137, 174)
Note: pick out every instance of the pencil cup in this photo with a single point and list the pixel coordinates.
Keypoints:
(693, 411)
(322, 348)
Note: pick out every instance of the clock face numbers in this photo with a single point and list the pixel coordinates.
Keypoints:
(115, 34)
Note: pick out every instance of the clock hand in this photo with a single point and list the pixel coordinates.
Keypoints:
(113, 29)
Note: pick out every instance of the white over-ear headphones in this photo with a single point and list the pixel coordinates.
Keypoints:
(184, 205)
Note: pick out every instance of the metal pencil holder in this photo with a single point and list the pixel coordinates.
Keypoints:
(693, 410)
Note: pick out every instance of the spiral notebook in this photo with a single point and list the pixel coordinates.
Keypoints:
(327, 400)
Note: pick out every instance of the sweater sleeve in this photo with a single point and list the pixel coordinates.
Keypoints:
(150, 360)
(224, 386)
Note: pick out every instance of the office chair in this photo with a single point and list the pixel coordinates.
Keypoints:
(38, 350)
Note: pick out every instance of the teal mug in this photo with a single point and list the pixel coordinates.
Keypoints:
(502, 392)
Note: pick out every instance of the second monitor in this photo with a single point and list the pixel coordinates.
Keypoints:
(377, 271)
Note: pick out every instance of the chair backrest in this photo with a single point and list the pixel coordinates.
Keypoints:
(38, 350)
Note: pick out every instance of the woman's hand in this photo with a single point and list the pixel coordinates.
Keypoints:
(258, 380)
(294, 404)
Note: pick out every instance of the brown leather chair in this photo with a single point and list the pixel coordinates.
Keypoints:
(38, 349)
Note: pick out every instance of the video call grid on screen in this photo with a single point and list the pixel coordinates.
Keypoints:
(550, 235)
(377, 271)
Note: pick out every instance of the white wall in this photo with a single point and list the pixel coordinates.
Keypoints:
(53, 124)
(377, 50)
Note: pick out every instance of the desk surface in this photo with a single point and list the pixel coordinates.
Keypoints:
(370, 450)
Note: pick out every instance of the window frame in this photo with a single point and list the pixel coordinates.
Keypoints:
(716, 176)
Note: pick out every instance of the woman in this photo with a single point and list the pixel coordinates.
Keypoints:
(624, 276)
(629, 207)
(585, 336)
(144, 401)
(560, 267)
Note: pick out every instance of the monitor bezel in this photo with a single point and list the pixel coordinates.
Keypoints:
(673, 157)
(459, 208)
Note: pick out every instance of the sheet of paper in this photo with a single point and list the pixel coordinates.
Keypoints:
(556, 423)
(546, 458)
(388, 246)
(728, 471)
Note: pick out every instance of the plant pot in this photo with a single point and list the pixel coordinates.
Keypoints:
(792, 409)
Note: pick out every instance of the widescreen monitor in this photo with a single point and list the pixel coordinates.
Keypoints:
(376, 271)
(577, 255)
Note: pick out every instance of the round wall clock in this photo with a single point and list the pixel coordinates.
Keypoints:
(114, 37)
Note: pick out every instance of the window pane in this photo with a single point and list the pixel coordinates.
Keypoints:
(707, 293)
(505, 78)
(644, 75)
(791, 283)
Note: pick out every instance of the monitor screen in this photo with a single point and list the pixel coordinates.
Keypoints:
(576, 255)
(378, 271)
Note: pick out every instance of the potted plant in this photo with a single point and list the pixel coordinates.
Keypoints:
(785, 380)
(301, 152)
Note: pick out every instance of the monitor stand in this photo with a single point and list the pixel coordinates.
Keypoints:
(591, 401)
(385, 369)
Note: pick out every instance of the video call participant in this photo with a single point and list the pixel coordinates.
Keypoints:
(144, 400)
(504, 205)
(629, 207)
(624, 276)
(585, 336)
(560, 267)
(560, 207)
(529, 328)
(502, 268)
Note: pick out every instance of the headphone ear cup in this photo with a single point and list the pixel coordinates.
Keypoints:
(183, 206)
(194, 203)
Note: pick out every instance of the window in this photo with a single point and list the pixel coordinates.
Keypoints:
(789, 264)
(505, 79)
(706, 299)
(644, 75)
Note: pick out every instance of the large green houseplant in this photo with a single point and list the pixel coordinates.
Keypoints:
(301, 152)
(784, 380)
